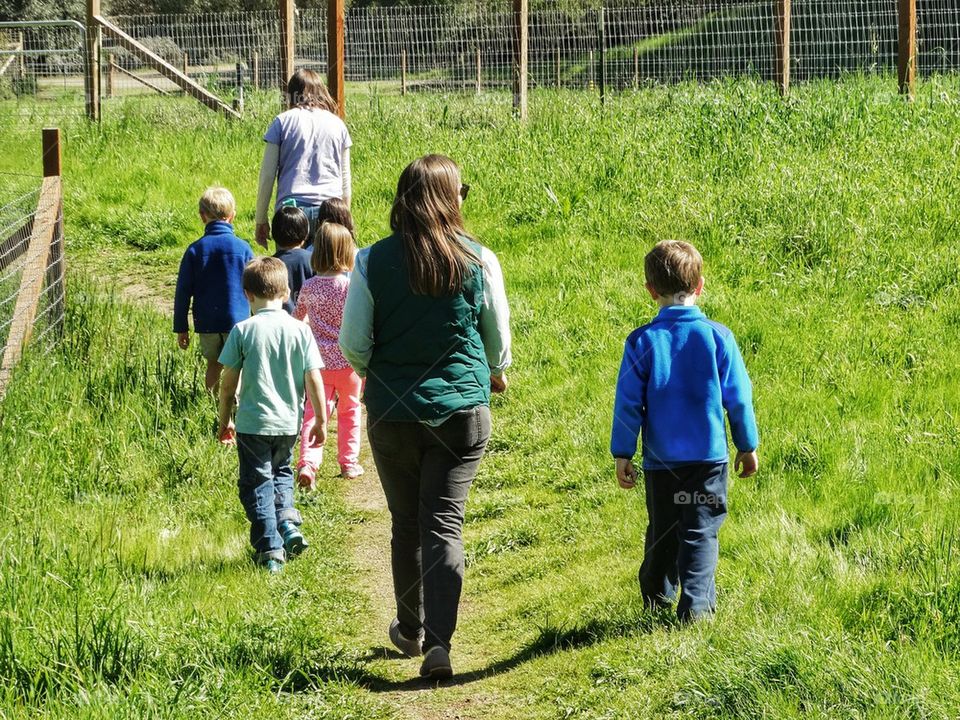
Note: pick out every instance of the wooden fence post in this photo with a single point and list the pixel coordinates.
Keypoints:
(336, 52)
(110, 75)
(255, 70)
(907, 47)
(602, 48)
(93, 61)
(559, 76)
(521, 17)
(636, 68)
(51, 152)
(479, 72)
(238, 100)
(185, 64)
(403, 71)
(287, 47)
(781, 44)
(21, 61)
(591, 72)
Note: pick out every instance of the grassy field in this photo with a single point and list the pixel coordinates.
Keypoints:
(828, 225)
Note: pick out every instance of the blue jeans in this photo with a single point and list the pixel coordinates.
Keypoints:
(266, 489)
(686, 506)
(313, 213)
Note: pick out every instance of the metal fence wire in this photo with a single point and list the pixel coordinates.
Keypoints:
(457, 49)
(17, 218)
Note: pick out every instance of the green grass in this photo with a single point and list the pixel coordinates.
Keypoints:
(827, 223)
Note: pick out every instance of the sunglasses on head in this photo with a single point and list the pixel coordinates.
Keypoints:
(464, 191)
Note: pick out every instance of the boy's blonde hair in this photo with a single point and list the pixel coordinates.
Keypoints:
(672, 267)
(266, 278)
(217, 203)
(333, 249)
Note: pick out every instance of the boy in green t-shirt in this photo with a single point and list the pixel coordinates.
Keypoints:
(278, 358)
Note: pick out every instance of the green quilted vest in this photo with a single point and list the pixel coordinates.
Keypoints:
(428, 359)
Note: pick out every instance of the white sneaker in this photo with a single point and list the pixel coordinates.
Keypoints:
(411, 648)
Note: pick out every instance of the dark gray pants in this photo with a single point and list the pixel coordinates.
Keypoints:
(426, 474)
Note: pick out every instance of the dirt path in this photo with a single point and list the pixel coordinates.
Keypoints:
(370, 551)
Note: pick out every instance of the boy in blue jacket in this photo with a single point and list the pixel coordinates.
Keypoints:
(679, 374)
(210, 279)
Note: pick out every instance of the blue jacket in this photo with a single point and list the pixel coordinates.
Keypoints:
(299, 271)
(679, 373)
(211, 275)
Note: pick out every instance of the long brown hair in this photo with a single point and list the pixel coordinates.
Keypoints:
(306, 90)
(426, 215)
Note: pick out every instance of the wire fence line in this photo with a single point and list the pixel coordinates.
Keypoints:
(32, 287)
(433, 48)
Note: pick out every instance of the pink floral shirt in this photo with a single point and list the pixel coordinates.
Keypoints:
(321, 300)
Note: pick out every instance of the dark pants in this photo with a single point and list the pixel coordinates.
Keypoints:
(266, 489)
(686, 506)
(426, 474)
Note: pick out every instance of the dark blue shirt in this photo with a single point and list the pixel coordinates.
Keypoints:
(211, 280)
(299, 271)
(679, 373)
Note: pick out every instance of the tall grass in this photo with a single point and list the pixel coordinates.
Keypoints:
(827, 224)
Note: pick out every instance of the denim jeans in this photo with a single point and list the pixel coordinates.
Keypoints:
(266, 489)
(686, 506)
(426, 473)
(313, 213)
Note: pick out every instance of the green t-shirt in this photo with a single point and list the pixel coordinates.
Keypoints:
(273, 351)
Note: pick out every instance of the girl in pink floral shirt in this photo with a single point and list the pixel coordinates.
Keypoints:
(321, 301)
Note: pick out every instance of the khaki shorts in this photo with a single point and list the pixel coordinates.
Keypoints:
(211, 345)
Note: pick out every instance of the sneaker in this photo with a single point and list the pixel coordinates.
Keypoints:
(436, 664)
(306, 478)
(411, 648)
(351, 472)
(293, 540)
(273, 566)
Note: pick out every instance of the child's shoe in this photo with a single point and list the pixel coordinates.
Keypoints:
(293, 540)
(351, 472)
(307, 478)
(271, 563)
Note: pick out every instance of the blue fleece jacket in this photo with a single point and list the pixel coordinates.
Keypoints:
(211, 275)
(679, 373)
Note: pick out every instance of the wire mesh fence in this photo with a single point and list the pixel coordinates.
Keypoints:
(42, 68)
(457, 49)
(31, 274)
(206, 47)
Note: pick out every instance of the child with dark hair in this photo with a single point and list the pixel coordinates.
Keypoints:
(290, 229)
(337, 211)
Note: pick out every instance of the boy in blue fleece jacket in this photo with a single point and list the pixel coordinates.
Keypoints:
(679, 374)
(211, 279)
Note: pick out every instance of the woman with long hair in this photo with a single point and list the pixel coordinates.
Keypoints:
(307, 154)
(426, 323)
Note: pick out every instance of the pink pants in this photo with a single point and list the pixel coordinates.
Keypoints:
(342, 389)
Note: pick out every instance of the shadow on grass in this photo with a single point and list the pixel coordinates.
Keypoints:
(551, 639)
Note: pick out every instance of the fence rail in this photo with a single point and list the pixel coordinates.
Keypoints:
(32, 289)
(433, 48)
